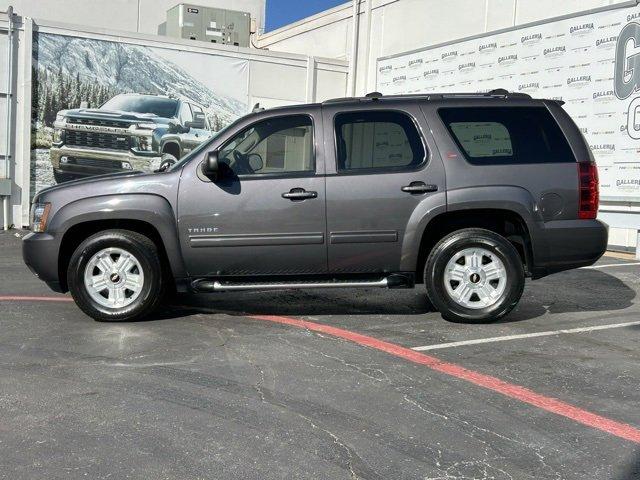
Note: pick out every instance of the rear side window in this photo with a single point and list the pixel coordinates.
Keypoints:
(507, 135)
(377, 141)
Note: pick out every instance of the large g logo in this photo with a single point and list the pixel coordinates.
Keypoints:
(627, 69)
(633, 126)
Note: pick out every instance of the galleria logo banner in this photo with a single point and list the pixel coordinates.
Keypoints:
(590, 61)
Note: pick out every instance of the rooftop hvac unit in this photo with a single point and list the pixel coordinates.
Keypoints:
(214, 25)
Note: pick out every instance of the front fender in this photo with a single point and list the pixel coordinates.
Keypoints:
(149, 208)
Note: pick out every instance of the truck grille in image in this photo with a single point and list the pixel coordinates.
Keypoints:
(99, 122)
(97, 140)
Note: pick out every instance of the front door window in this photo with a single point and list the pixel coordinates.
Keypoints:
(279, 145)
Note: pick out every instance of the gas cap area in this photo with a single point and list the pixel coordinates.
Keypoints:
(551, 205)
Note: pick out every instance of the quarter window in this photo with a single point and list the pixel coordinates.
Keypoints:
(377, 141)
(507, 135)
(273, 146)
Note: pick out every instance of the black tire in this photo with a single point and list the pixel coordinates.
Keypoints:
(167, 161)
(144, 251)
(446, 249)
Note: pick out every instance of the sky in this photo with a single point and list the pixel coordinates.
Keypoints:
(283, 12)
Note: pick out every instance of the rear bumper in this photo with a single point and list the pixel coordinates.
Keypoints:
(40, 254)
(571, 244)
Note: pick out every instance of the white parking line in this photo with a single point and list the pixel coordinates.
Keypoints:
(524, 335)
(611, 265)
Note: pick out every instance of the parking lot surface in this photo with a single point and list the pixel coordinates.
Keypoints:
(374, 385)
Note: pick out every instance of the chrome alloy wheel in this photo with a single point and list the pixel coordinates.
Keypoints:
(475, 278)
(113, 278)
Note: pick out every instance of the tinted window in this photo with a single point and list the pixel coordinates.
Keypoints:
(159, 106)
(185, 113)
(507, 135)
(377, 140)
(277, 145)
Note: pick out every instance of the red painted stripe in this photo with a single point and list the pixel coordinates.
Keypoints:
(23, 298)
(494, 384)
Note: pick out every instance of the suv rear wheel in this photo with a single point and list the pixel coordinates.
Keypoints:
(116, 275)
(474, 275)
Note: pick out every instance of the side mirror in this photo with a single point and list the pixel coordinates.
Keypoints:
(210, 166)
(198, 121)
(175, 128)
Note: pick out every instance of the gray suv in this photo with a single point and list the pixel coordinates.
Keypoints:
(466, 194)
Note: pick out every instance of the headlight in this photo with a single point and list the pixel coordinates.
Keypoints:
(39, 216)
(57, 135)
(143, 143)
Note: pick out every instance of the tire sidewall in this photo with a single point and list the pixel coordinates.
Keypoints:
(435, 276)
(169, 159)
(148, 262)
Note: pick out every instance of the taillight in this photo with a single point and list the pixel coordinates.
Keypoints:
(589, 190)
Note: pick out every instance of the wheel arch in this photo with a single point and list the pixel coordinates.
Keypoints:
(172, 147)
(150, 215)
(508, 211)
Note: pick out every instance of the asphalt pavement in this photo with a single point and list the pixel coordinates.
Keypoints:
(325, 384)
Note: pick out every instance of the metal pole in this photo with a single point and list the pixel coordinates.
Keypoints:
(5, 212)
(367, 47)
(353, 61)
(7, 152)
(311, 80)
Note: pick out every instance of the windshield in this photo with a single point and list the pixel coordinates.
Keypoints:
(202, 146)
(159, 106)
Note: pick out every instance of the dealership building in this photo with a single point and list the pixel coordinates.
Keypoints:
(60, 54)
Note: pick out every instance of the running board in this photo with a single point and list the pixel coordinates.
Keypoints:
(393, 281)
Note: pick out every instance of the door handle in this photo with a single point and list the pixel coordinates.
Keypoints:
(419, 187)
(299, 194)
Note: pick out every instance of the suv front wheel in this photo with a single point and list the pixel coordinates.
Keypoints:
(474, 276)
(116, 275)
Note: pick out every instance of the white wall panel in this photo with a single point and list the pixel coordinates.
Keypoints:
(3, 133)
(499, 14)
(330, 85)
(411, 24)
(277, 81)
(4, 68)
(532, 11)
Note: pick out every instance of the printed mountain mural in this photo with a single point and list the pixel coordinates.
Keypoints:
(71, 70)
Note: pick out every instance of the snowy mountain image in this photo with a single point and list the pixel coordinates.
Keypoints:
(74, 72)
(125, 68)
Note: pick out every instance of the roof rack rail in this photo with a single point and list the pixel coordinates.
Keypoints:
(503, 92)
(497, 92)
(374, 96)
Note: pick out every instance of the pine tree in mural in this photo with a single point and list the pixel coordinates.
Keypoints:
(61, 91)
